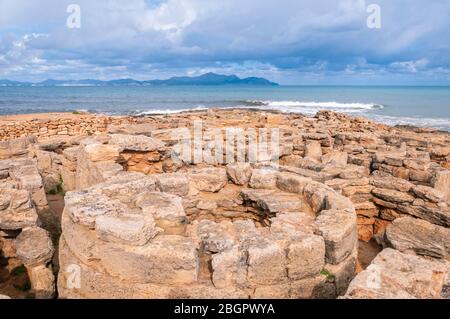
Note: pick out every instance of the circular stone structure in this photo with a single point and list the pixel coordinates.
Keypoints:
(234, 231)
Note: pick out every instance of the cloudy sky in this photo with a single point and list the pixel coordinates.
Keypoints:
(288, 41)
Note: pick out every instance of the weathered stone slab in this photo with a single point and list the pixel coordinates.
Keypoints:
(419, 236)
(392, 196)
(393, 274)
(210, 179)
(338, 228)
(173, 183)
(128, 229)
(137, 143)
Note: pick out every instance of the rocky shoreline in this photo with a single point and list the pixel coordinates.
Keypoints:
(144, 220)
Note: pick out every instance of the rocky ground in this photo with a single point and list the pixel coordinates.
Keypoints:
(345, 208)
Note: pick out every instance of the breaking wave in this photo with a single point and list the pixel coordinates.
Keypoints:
(311, 107)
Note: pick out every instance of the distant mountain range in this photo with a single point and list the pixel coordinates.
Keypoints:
(205, 79)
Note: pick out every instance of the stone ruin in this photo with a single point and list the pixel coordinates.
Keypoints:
(22, 240)
(138, 224)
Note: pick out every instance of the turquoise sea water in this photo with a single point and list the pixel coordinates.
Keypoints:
(420, 106)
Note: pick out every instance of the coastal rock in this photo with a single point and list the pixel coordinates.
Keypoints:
(208, 179)
(266, 262)
(239, 173)
(137, 143)
(395, 275)
(34, 247)
(338, 228)
(42, 282)
(390, 182)
(313, 150)
(102, 152)
(173, 183)
(305, 256)
(419, 236)
(392, 196)
(128, 229)
(16, 209)
(292, 183)
(429, 194)
(263, 178)
(166, 209)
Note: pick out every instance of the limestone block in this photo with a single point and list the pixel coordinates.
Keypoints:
(263, 178)
(412, 234)
(239, 173)
(34, 246)
(338, 229)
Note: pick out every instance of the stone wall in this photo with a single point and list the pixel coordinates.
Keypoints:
(71, 126)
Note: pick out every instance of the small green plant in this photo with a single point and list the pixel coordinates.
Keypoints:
(327, 274)
(60, 186)
(76, 113)
(18, 271)
(59, 189)
(52, 192)
(23, 287)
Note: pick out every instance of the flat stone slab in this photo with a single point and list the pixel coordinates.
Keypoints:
(137, 143)
(131, 229)
(419, 236)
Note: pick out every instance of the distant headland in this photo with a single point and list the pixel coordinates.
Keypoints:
(204, 79)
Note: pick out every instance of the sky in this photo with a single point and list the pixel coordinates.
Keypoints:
(316, 42)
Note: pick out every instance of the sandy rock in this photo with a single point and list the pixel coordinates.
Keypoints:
(102, 152)
(390, 182)
(16, 209)
(393, 274)
(173, 183)
(137, 143)
(166, 209)
(34, 247)
(430, 194)
(167, 260)
(127, 228)
(266, 262)
(28, 176)
(392, 196)
(208, 179)
(213, 237)
(306, 256)
(338, 229)
(316, 194)
(263, 178)
(419, 236)
(292, 183)
(84, 207)
(225, 267)
(336, 158)
(42, 282)
(313, 150)
(239, 173)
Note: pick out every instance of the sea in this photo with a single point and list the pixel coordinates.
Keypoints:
(406, 105)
